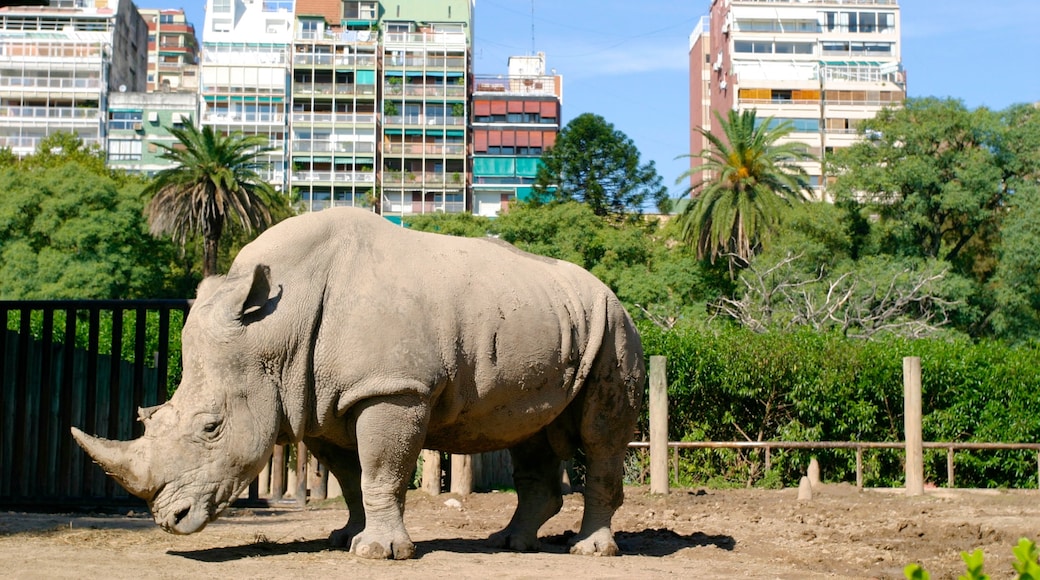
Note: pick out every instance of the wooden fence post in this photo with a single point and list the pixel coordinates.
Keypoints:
(658, 425)
(912, 425)
(431, 471)
(462, 474)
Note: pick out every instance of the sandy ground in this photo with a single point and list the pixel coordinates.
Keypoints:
(840, 533)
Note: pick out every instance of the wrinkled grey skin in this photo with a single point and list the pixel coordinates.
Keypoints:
(369, 342)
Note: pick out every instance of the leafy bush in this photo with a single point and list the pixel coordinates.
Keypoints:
(730, 384)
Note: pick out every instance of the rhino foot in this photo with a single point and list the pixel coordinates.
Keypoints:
(342, 537)
(376, 547)
(599, 543)
(513, 540)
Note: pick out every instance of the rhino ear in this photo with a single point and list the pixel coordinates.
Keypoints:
(259, 290)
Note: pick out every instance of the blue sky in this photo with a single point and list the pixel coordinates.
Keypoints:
(627, 61)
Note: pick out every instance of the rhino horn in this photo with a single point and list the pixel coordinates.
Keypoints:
(123, 460)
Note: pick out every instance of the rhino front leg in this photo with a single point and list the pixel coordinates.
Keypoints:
(345, 465)
(390, 432)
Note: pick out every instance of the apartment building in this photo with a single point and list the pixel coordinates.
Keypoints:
(243, 75)
(139, 123)
(173, 51)
(59, 61)
(424, 79)
(516, 117)
(822, 65)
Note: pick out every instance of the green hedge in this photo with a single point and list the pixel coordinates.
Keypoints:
(730, 384)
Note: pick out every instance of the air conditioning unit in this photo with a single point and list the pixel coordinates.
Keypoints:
(153, 117)
(138, 126)
(723, 85)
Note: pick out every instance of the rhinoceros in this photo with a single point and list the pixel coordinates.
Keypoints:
(369, 342)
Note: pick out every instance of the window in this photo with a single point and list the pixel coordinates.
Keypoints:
(124, 150)
(309, 28)
(124, 120)
(222, 6)
(794, 48)
(360, 10)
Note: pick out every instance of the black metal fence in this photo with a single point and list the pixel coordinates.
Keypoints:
(83, 363)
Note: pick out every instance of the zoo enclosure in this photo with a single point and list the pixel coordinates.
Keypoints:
(92, 363)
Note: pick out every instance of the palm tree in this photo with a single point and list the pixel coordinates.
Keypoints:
(215, 178)
(746, 183)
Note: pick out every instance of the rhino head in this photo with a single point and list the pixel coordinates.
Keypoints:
(203, 447)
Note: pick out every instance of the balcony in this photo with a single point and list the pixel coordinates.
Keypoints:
(324, 59)
(425, 91)
(237, 118)
(337, 177)
(423, 63)
(453, 179)
(439, 40)
(424, 121)
(332, 89)
(424, 149)
(535, 85)
(352, 147)
(334, 118)
(50, 114)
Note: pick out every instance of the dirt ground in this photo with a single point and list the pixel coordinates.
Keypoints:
(839, 533)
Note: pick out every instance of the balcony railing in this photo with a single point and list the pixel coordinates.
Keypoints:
(427, 38)
(337, 118)
(419, 149)
(225, 118)
(435, 63)
(342, 177)
(216, 89)
(302, 146)
(339, 89)
(426, 120)
(535, 85)
(327, 59)
(425, 91)
(435, 178)
(92, 84)
(51, 113)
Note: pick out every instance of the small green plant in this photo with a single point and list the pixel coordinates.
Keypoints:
(1025, 564)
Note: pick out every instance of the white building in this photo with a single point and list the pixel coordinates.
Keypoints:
(822, 65)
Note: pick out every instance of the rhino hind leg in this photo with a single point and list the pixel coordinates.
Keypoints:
(608, 418)
(539, 493)
(390, 432)
(345, 465)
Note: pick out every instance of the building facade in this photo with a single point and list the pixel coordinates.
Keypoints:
(822, 65)
(58, 64)
(515, 119)
(138, 123)
(173, 52)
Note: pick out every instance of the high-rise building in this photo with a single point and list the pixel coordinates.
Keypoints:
(59, 61)
(173, 51)
(515, 119)
(426, 53)
(822, 65)
(243, 72)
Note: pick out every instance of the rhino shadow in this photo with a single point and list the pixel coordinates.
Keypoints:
(654, 543)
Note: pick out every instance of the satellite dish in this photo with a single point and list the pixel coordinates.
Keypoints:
(122, 88)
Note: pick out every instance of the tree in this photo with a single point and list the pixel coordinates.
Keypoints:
(748, 179)
(595, 164)
(929, 177)
(68, 232)
(215, 178)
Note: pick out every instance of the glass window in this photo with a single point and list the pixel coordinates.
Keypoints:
(124, 120)
(222, 6)
(124, 150)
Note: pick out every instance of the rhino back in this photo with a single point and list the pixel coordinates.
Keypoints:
(498, 341)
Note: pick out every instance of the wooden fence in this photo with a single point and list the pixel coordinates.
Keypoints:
(85, 363)
(91, 364)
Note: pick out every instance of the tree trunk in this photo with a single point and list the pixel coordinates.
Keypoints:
(209, 257)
